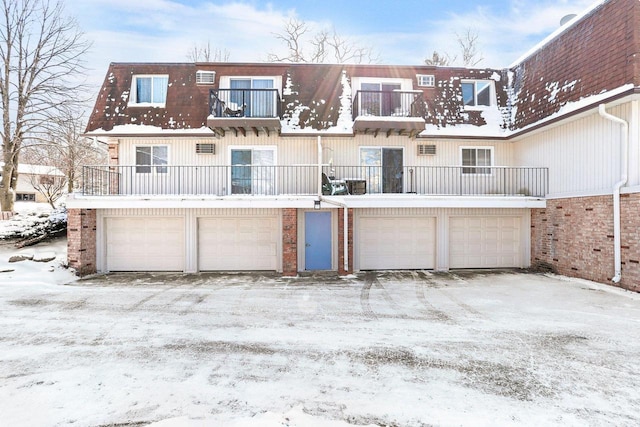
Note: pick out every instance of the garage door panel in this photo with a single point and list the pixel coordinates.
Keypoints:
(231, 243)
(145, 244)
(396, 243)
(485, 242)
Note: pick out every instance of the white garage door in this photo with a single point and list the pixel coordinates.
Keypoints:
(397, 243)
(485, 242)
(145, 244)
(237, 243)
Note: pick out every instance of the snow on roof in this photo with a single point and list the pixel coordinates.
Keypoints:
(493, 130)
(28, 169)
(141, 129)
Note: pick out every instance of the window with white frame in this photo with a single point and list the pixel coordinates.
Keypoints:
(476, 159)
(382, 168)
(152, 158)
(426, 80)
(149, 90)
(253, 170)
(477, 93)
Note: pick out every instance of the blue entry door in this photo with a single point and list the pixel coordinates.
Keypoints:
(317, 239)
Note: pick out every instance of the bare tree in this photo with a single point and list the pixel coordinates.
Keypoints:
(440, 60)
(468, 45)
(323, 46)
(205, 54)
(41, 62)
(67, 150)
(294, 29)
(49, 183)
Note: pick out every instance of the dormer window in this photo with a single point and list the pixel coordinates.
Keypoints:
(150, 90)
(426, 80)
(477, 93)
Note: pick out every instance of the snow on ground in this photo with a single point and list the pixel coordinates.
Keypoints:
(34, 271)
(29, 216)
(387, 348)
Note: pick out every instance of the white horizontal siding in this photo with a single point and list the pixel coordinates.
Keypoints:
(143, 212)
(583, 155)
(346, 151)
(303, 150)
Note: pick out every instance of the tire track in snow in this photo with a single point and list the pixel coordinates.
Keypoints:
(364, 296)
(430, 309)
(464, 306)
(371, 281)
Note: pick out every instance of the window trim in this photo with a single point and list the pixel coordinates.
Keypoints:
(476, 148)
(225, 81)
(153, 168)
(379, 188)
(133, 94)
(492, 94)
(430, 77)
(25, 197)
(232, 148)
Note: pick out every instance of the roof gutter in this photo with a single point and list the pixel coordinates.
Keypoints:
(616, 190)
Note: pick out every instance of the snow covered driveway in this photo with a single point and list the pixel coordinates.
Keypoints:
(389, 348)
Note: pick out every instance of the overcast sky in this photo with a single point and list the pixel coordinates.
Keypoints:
(401, 31)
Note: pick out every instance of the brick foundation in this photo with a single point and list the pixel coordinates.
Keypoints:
(574, 237)
(341, 270)
(81, 240)
(289, 242)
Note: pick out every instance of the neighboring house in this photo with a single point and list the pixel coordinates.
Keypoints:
(31, 176)
(222, 166)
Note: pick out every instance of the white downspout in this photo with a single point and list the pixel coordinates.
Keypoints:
(616, 190)
(319, 167)
(345, 228)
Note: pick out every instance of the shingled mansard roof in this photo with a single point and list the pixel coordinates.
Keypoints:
(590, 59)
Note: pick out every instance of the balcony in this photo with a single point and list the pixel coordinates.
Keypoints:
(244, 110)
(363, 181)
(389, 112)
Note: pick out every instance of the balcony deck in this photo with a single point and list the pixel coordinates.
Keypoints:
(274, 181)
(388, 112)
(244, 110)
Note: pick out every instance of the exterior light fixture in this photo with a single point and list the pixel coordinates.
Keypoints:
(316, 205)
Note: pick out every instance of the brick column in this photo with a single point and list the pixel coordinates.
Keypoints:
(341, 270)
(290, 242)
(81, 240)
(113, 154)
(114, 184)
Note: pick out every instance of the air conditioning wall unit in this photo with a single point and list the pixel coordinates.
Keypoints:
(205, 148)
(426, 150)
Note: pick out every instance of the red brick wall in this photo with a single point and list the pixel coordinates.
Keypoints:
(113, 154)
(113, 161)
(341, 269)
(81, 240)
(290, 242)
(574, 237)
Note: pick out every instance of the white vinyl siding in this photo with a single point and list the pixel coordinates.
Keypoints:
(583, 155)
